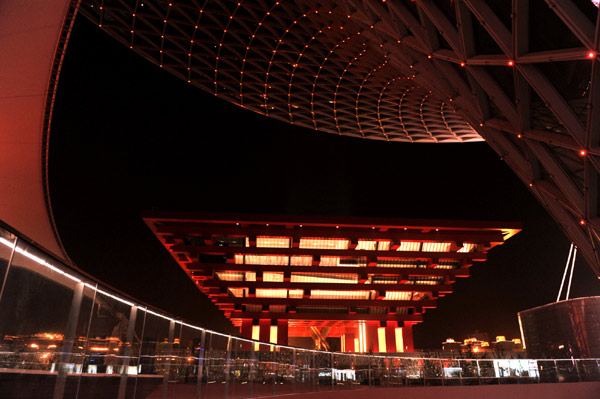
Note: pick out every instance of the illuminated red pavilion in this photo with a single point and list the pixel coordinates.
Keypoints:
(289, 279)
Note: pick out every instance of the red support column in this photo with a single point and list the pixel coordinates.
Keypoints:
(390, 336)
(282, 332)
(246, 332)
(407, 337)
(372, 336)
(349, 341)
(264, 334)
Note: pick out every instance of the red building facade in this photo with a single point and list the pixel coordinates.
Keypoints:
(360, 283)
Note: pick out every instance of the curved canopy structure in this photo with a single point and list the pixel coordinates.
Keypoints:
(401, 70)
(33, 37)
(397, 70)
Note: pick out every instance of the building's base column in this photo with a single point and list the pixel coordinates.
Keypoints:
(390, 336)
(372, 337)
(246, 332)
(348, 338)
(282, 332)
(264, 326)
(407, 337)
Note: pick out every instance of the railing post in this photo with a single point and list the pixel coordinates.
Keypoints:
(295, 388)
(332, 376)
(67, 347)
(314, 373)
(139, 355)
(478, 371)
(10, 261)
(576, 364)
(227, 366)
(87, 336)
(389, 370)
(127, 353)
(165, 386)
(200, 372)
(252, 371)
(274, 368)
(444, 374)
(369, 371)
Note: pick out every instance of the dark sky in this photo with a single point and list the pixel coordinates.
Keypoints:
(128, 137)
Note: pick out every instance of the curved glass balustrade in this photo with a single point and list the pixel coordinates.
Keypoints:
(64, 335)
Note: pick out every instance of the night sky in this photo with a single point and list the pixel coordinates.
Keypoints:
(128, 137)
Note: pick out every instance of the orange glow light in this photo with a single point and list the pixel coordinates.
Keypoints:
(591, 54)
(583, 153)
(99, 349)
(510, 63)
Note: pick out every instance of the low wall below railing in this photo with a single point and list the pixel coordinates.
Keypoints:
(569, 390)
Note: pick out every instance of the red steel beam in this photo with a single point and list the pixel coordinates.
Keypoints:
(204, 229)
(445, 288)
(390, 271)
(415, 318)
(218, 250)
(426, 304)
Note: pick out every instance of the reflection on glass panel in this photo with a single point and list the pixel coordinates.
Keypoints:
(35, 311)
(266, 371)
(285, 373)
(155, 354)
(241, 369)
(305, 375)
(216, 366)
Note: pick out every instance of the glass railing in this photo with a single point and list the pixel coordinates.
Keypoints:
(64, 335)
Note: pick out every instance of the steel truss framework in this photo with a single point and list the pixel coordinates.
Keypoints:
(520, 74)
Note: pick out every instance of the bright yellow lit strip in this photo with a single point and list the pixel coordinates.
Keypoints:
(381, 339)
(399, 340)
(343, 342)
(273, 335)
(255, 335)
(356, 348)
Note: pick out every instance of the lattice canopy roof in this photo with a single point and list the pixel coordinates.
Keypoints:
(311, 63)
